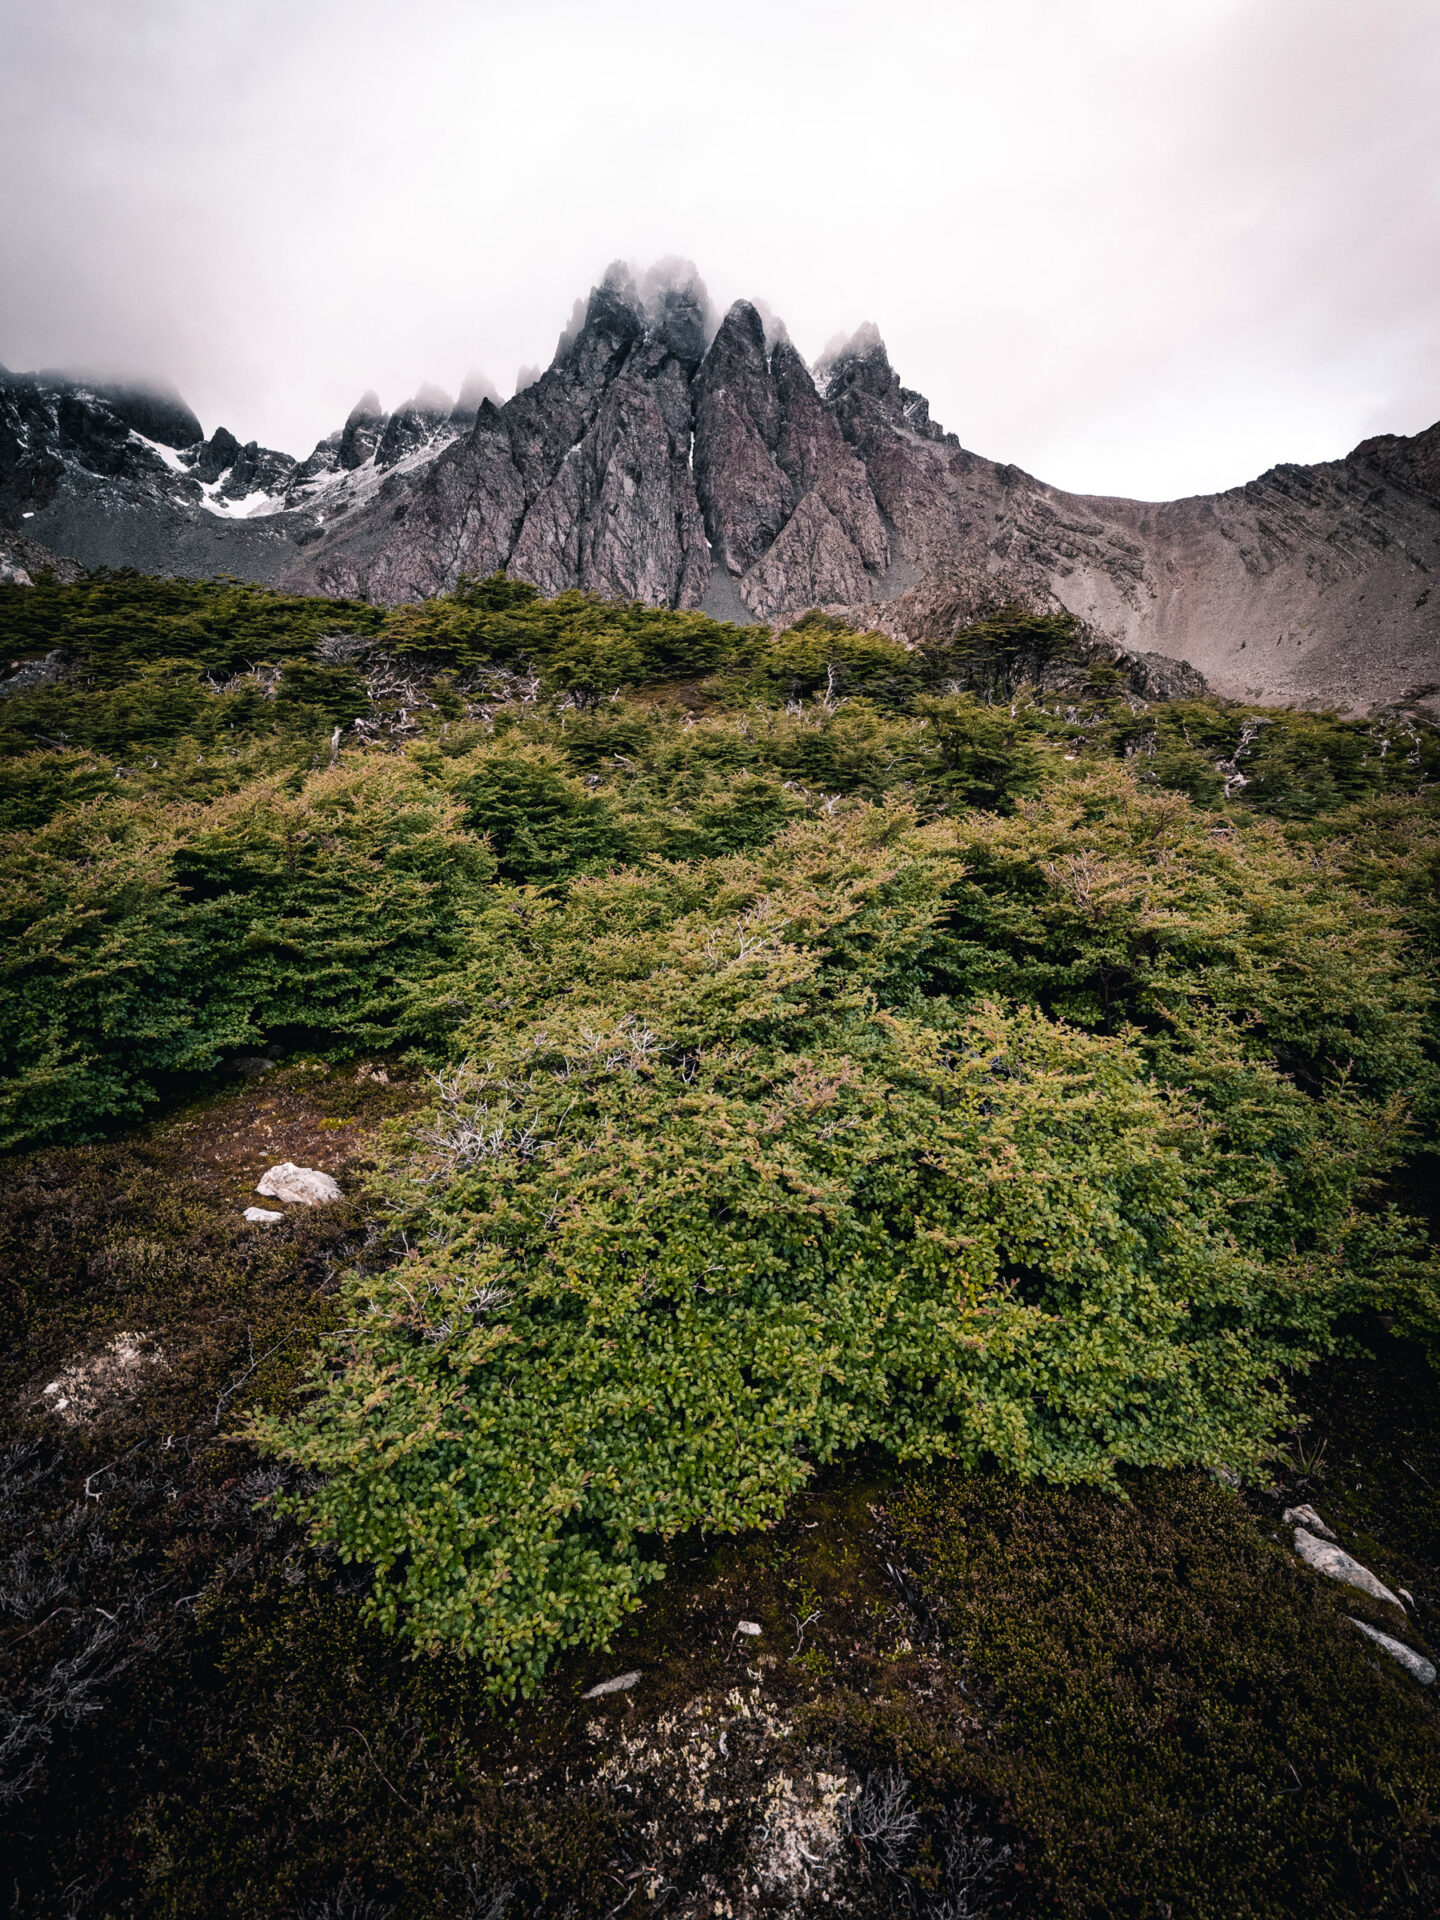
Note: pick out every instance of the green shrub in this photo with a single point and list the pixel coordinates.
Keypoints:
(140, 943)
(731, 1194)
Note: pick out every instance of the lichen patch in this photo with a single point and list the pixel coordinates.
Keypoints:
(107, 1379)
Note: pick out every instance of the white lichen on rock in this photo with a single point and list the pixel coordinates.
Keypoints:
(301, 1186)
(89, 1387)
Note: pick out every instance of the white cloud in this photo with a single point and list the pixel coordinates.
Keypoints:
(1145, 246)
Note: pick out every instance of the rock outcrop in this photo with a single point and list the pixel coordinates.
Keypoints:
(668, 458)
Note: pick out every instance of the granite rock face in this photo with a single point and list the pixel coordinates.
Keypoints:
(684, 461)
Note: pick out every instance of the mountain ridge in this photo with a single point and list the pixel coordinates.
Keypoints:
(666, 458)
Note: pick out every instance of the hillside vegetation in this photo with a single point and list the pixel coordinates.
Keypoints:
(834, 1045)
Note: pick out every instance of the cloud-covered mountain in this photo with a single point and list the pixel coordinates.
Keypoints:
(668, 459)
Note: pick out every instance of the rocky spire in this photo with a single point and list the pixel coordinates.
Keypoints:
(361, 433)
(744, 495)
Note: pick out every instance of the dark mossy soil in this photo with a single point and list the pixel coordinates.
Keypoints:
(966, 1697)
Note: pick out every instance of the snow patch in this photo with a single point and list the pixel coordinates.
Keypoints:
(168, 455)
(247, 508)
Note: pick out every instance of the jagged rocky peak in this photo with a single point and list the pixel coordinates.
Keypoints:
(668, 303)
(475, 390)
(413, 426)
(678, 457)
(855, 375)
(776, 481)
(744, 495)
(676, 305)
(360, 435)
(215, 455)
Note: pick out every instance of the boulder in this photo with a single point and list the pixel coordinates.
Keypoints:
(1338, 1565)
(301, 1186)
(622, 1683)
(261, 1216)
(1308, 1518)
(1415, 1664)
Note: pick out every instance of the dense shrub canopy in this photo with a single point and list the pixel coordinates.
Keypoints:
(834, 1042)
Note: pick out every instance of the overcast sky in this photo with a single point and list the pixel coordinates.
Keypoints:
(1136, 246)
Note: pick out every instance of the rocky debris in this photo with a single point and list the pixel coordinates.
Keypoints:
(1336, 1564)
(301, 1186)
(109, 1378)
(622, 1683)
(1415, 1664)
(1308, 1518)
(23, 561)
(26, 675)
(751, 1628)
(261, 1216)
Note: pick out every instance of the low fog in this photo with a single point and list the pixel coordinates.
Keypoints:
(1136, 246)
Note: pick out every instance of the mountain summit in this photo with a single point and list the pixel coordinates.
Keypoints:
(664, 458)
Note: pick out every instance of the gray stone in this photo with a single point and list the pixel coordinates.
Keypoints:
(301, 1186)
(1308, 1518)
(1415, 1664)
(29, 674)
(622, 1683)
(262, 1217)
(1336, 1564)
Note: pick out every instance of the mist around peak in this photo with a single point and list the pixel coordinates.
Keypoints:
(865, 343)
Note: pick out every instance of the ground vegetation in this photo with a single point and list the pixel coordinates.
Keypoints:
(941, 1100)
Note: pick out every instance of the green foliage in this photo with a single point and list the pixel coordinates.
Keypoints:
(999, 656)
(540, 820)
(139, 944)
(990, 757)
(112, 624)
(733, 1193)
(838, 1042)
(582, 644)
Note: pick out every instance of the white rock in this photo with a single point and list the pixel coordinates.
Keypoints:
(1308, 1518)
(262, 1216)
(1335, 1562)
(302, 1186)
(752, 1627)
(1414, 1663)
(622, 1683)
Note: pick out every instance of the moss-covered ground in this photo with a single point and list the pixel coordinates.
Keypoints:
(966, 1696)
